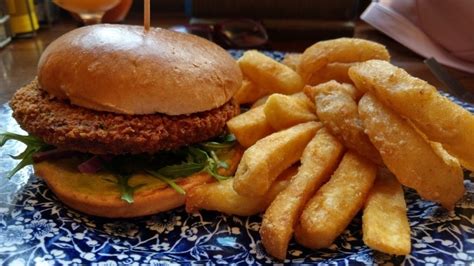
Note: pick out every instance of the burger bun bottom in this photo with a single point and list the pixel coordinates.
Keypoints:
(98, 195)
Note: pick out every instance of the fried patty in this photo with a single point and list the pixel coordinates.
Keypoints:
(72, 127)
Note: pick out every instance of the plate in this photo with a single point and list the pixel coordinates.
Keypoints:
(35, 228)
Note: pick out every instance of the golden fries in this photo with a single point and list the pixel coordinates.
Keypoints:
(248, 92)
(332, 71)
(308, 102)
(385, 224)
(439, 118)
(260, 101)
(379, 112)
(410, 156)
(220, 196)
(265, 160)
(333, 85)
(318, 161)
(291, 60)
(269, 74)
(329, 212)
(283, 111)
(342, 50)
(339, 113)
(250, 126)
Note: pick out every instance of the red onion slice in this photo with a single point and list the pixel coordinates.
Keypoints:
(91, 166)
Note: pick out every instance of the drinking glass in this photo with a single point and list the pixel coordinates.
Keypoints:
(90, 11)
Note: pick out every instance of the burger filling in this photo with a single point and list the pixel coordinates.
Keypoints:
(165, 147)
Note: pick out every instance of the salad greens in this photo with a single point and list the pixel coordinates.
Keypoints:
(166, 166)
(33, 145)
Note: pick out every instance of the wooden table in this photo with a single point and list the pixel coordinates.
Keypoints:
(19, 59)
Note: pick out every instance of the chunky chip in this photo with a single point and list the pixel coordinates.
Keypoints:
(250, 126)
(439, 118)
(414, 160)
(270, 75)
(342, 50)
(248, 92)
(221, 196)
(385, 224)
(336, 203)
(283, 111)
(318, 161)
(266, 159)
(339, 113)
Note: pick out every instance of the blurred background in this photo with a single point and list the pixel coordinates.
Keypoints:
(307, 20)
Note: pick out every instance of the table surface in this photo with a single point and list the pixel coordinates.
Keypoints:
(18, 60)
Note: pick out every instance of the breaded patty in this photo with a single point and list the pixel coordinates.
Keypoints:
(75, 128)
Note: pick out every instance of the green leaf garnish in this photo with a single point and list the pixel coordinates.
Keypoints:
(212, 169)
(33, 145)
(166, 166)
(179, 170)
(198, 158)
(224, 142)
(219, 163)
(168, 181)
(211, 162)
(126, 191)
(197, 155)
(28, 140)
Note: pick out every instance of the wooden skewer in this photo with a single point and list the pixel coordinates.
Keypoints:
(146, 22)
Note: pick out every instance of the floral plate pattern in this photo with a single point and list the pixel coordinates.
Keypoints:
(37, 229)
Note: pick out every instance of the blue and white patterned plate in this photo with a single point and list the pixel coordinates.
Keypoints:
(36, 228)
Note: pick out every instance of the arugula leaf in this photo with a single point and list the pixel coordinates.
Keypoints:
(229, 138)
(126, 190)
(194, 162)
(212, 169)
(168, 181)
(224, 142)
(212, 162)
(28, 140)
(180, 170)
(197, 160)
(220, 164)
(24, 162)
(166, 166)
(123, 169)
(33, 145)
(198, 155)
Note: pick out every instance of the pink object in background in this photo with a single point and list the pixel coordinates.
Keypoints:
(432, 28)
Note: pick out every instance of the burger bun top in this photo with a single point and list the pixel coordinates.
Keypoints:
(124, 69)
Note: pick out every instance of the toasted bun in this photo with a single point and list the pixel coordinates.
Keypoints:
(123, 69)
(95, 195)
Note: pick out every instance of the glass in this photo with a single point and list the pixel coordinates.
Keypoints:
(90, 11)
(239, 33)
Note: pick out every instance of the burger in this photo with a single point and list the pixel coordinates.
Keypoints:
(122, 121)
